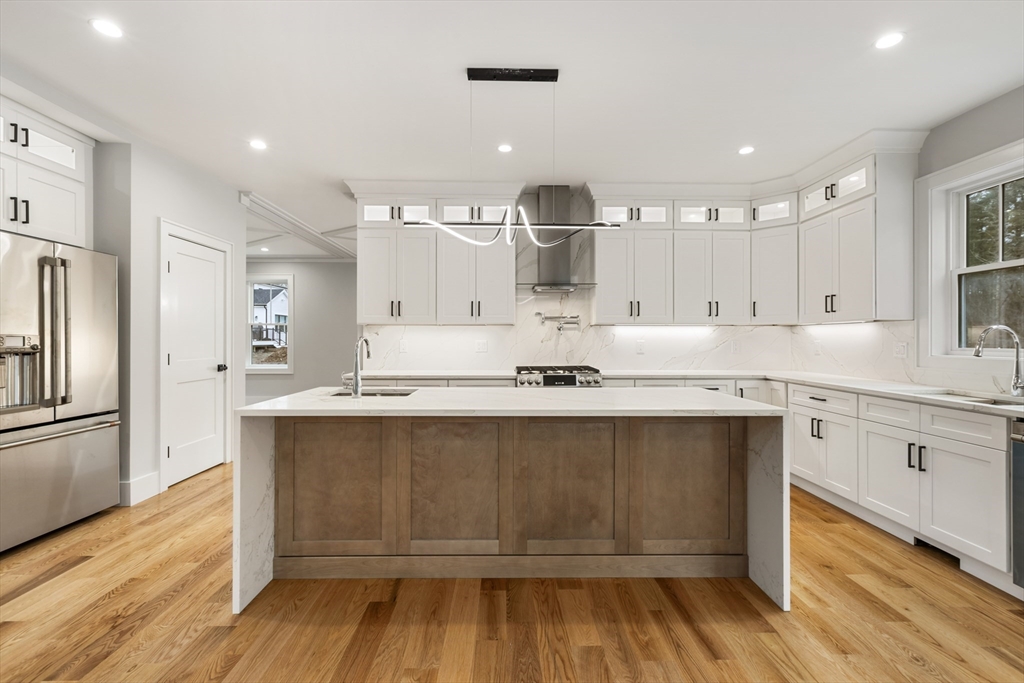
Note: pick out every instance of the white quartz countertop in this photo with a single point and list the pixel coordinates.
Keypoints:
(905, 391)
(497, 401)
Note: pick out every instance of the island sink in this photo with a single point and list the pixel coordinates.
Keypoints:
(377, 391)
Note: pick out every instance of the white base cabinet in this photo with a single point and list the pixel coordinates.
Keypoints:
(949, 491)
(825, 450)
(754, 389)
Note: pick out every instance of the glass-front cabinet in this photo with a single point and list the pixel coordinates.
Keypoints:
(725, 214)
(643, 214)
(393, 213)
(771, 212)
(850, 184)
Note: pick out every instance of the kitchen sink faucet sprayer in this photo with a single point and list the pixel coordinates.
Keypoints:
(1017, 381)
(357, 367)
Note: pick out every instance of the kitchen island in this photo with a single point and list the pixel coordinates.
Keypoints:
(495, 482)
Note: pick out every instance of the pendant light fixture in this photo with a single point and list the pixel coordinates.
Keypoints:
(509, 224)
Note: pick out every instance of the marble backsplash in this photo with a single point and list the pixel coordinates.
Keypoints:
(856, 349)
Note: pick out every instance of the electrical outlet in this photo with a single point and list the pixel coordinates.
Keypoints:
(735, 346)
(640, 347)
(403, 346)
(481, 346)
(817, 348)
(899, 349)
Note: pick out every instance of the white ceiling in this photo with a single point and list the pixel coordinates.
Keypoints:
(648, 92)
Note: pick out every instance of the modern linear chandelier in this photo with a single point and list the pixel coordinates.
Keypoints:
(506, 225)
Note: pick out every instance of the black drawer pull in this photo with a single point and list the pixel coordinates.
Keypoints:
(910, 455)
(813, 435)
(815, 398)
(920, 459)
(14, 218)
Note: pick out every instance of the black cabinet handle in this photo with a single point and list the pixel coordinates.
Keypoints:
(14, 218)
(833, 190)
(393, 309)
(709, 309)
(754, 217)
(813, 435)
(741, 392)
(25, 202)
(826, 304)
(392, 213)
(827, 198)
(221, 367)
(15, 138)
(709, 215)
(399, 308)
(910, 455)
(832, 301)
(820, 423)
(399, 212)
(630, 309)
(478, 309)
(815, 398)
(24, 143)
(716, 215)
(920, 459)
(638, 308)
(471, 309)
(716, 309)
(755, 309)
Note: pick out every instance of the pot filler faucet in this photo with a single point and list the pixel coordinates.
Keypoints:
(357, 367)
(1017, 381)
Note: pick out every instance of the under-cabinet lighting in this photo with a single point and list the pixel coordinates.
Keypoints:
(888, 40)
(107, 28)
(746, 150)
(257, 144)
(504, 148)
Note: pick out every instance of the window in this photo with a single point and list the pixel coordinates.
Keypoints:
(271, 342)
(989, 271)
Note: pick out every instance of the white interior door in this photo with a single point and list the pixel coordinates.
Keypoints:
(193, 320)
(692, 277)
(731, 277)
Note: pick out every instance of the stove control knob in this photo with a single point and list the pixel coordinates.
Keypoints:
(597, 380)
(529, 380)
(522, 380)
(590, 380)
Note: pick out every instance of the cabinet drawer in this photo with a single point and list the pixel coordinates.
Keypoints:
(966, 426)
(831, 401)
(481, 382)
(618, 383)
(890, 412)
(726, 386)
(660, 383)
(423, 382)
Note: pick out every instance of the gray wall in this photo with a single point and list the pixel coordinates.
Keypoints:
(323, 307)
(988, 126)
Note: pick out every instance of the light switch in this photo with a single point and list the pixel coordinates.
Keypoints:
(899, 349)
(640, 347)
(481, 346)
(403, 346)
(735, 345)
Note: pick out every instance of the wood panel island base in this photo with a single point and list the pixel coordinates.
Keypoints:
(492, 482)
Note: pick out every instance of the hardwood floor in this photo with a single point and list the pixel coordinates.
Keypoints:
(143, 594)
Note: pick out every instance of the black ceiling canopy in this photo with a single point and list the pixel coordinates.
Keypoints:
(522, 75)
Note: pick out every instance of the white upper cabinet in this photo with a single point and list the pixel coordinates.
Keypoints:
(652, 276)
(475, 285)
(773, 276)
(489, 211)
(393, 212)
(693, 300)
(613, 267)
(774, 211)
(816, 263)
(644, 214)
(850, 184)
(10, 134)
(722, 214)
(49, 205)
(8, 193)
(45, 146)
(634, 277)
(731, 277)
(396, 277)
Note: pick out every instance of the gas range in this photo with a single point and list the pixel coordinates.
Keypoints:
(557, 376)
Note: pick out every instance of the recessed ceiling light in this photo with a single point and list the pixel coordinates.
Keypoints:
(888, 40)
(107, 28)
(746, 150)
(264, 249)
(257, 144)
(504, 148)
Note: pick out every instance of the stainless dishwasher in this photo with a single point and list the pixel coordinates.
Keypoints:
(1017, 500)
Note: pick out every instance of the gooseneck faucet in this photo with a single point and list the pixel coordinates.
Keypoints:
(357, 367)
(1017, 381)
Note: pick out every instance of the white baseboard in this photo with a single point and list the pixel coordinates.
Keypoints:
(990, 575)
(139, 489)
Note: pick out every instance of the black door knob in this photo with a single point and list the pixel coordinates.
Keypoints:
(221, 367)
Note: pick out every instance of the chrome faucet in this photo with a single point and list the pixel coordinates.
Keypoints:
(357, 367)
(1017, 381)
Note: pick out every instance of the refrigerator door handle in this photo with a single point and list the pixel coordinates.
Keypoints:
(59, 435)
(65, 305)
(47, 336)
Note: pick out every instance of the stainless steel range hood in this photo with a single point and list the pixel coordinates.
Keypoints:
(554, 264)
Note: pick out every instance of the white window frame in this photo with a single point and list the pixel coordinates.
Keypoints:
(263, 278)
(940, 215)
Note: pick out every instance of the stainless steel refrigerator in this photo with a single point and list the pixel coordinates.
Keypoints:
(58, 386)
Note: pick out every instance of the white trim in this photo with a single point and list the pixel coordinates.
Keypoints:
(139, 489)
(937, 219)
(289, 279)
(294, 226)
(170, 229)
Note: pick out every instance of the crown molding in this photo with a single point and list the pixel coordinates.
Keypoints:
(434, 189)
(292, 225)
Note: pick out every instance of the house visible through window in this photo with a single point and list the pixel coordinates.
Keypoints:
(989, 279)
(269, 302)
